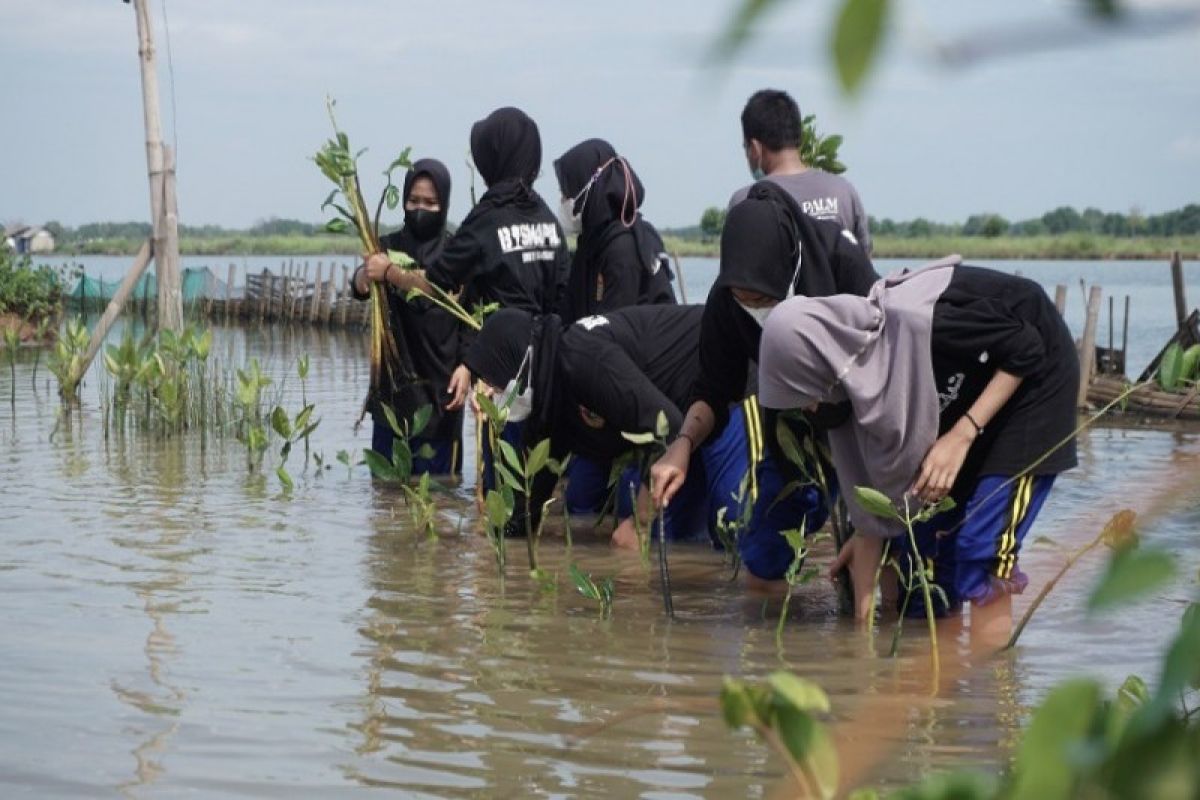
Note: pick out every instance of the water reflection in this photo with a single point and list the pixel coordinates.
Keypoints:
(206, 633)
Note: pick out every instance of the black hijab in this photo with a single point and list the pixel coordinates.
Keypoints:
(498, 350)
(423, 250)
(769, 244)
(609, 209)
(506, 146)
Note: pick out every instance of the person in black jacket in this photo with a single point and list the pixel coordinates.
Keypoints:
(770, 250)
(510, 249)
(619, 257)
(434, 340)
(609, 374)
(619, 261)
(962, 382)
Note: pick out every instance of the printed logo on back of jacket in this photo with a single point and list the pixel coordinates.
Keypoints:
(536, 241)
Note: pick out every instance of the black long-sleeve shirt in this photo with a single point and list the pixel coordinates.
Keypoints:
(729, 338)
(509, 250)
(986, 321)
(623, 269)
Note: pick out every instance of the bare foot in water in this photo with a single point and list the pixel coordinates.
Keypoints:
(625, 535)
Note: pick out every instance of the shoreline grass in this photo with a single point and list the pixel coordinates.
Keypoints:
(1066, 247)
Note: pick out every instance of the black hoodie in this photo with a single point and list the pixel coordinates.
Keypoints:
(510, 248)
(625, 367)
(434, 339)
(766, 237)
(619, 260)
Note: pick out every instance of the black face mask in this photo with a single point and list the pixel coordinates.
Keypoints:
(422, 223)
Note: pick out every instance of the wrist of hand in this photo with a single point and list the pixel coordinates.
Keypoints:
(965, 430)
(686, 440)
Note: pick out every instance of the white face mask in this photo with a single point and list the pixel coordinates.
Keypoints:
(760, 315)
(519, 402)
(571, 222)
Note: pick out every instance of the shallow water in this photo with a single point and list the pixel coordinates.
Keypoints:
(173, 627)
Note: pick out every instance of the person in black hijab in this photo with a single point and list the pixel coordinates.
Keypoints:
(585, 384)
(510, 249)
(770, 250)
(434, 339)
(619, 257)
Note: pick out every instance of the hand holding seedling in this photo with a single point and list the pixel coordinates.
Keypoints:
(460, 385)
(377, 266)
(669, 472)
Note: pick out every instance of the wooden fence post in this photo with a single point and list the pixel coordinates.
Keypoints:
(1181, 312)
(1060, 298)
(344, 307)
(1087, 345)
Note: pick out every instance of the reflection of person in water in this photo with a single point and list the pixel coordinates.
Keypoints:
(590, 382)
(959, 379)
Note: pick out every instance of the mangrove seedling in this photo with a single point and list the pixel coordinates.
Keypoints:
(399, 468)
(658, 443)
(291, 431)
(794, 577)
(729, 532)
(877, 503)
(784, 713)
(39, 338)
(66, 360)
(250, 384)
(601, 592)
(810, 459)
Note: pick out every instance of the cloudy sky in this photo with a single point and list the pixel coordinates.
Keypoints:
(1107, 120)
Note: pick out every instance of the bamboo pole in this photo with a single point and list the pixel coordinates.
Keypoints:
(170, 303)
(170, 281)
(1177, 285)
(229, 292)
(314, 306)
(1060, 298)
(114, 307)
(1087, 345)
(679, 275)
(344, 303)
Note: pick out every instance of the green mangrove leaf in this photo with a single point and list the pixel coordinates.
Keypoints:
(494, 415)
(1130, 575)
(1044, 766)
(509, 454)
(402, 459)
(538, 457)
(421, 419)
(392, 422)
(391, 196)
(343, 456)
(303, 417)
(876, 502)
(856, 40)
(809, 746)
(280, 422)
(380, 467)
(497, 510)
(940, 507)
(337, 225)
(400, 258)
(284, 478)
(301, 366)
(426, 452)
(638, 438)
(583, 583)
(1189, 368)
(736, 707)
(798, 692)
(1171, 367)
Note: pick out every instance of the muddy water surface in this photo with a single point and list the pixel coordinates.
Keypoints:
(172, 626)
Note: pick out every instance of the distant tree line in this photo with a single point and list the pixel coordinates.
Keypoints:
(1064, 219)
(99, 231)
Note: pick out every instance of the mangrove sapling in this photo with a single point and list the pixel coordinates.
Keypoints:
(66, 359)
(877, 503)
(250, 384)
(399, 468)
(291, 431)
(601, 592)
(794, 577)
(728, 533)
(658, 443)
(343, 457)
(39, 337)
(302, 364)
(810, 459)
(784, 712)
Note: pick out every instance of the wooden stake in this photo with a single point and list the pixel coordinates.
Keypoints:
(1177, 283)
(114, 307)
(1060, 298)
(314, 306)
(1087, 345)
(344, 302)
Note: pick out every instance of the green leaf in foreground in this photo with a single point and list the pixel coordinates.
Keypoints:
(856, 40)
(1130, 575)
(876, 502)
